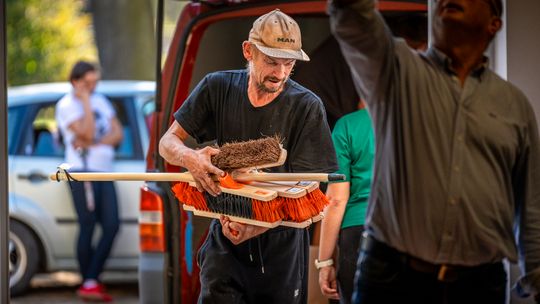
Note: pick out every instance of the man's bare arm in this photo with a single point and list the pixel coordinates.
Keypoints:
(198, 162)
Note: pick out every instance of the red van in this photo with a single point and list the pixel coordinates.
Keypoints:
(208, 38)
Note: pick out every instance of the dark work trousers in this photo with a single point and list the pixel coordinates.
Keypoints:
(385, 275)
(92, 258)
(349, 248)
(271, 268)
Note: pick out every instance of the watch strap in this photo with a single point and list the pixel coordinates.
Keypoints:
(325, 263)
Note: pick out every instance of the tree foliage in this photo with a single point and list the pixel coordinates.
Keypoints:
(45, 38)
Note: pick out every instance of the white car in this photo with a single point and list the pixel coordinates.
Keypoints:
(43, 222)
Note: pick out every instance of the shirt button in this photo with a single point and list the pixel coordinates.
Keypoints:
(453, 201)
(460, 138)
(456, 168)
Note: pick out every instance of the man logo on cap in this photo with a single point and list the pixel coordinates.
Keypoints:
(285, 40)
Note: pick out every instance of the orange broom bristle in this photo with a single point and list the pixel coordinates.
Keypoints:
(190, 196)
(304, 208)
(270, 211)
(280, 208)
(318, 200)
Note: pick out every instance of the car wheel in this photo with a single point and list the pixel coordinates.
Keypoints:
(23, 257)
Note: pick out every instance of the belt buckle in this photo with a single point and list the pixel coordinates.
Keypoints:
(442, 272)
(446, 274)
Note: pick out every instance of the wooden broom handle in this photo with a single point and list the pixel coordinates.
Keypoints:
(124, 176)
(186, 176)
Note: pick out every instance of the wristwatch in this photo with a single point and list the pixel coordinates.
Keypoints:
(325, 263)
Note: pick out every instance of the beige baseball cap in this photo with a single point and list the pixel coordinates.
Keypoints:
(277, 35)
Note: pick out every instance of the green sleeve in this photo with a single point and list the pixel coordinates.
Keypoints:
(341, 144)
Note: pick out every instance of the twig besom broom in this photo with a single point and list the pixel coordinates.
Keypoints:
(264, 204)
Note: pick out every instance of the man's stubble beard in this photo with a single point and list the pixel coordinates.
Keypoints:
(261, 87)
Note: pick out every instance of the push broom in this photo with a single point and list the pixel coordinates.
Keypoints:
(271, 199)
(294, 204)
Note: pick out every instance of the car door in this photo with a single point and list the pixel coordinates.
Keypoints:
(39, 151)
(38, 202)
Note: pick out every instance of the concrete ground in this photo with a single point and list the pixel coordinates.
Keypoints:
(60, 287)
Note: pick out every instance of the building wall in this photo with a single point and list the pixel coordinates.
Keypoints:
(523, 48)
(517, 58)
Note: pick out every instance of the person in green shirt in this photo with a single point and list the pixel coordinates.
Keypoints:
(344, 217)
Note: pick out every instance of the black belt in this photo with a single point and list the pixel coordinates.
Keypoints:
(443, 272)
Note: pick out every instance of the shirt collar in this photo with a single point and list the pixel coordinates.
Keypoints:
(445, 62)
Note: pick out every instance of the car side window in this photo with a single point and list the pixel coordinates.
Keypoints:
(43, 138)
(130, 146)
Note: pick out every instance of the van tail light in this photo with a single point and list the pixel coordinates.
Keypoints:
(151, 229)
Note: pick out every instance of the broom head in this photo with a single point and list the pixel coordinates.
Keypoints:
(259, 153)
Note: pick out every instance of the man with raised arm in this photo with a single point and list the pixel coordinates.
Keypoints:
(457, 167)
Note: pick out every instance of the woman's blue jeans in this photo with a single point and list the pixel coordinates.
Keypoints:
(92, 257)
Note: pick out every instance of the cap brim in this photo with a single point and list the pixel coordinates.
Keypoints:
(283, 53)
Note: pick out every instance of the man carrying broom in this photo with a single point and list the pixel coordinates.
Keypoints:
(242, 263)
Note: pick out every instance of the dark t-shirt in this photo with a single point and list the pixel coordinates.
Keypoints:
(219, 109)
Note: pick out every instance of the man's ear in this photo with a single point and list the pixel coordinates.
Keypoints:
(247, 50)
(494, 26)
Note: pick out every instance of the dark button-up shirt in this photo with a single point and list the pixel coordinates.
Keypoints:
(457, 167)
